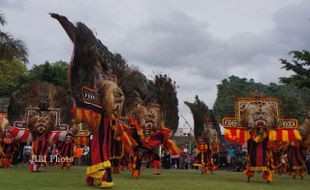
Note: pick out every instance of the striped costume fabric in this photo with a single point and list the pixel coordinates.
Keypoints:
(257, 153)
(24, 135)
(39, 144)
(81, 140)
(6, 154)
(99, 169)
(296, 157)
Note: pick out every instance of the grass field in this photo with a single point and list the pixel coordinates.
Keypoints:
(53, 178)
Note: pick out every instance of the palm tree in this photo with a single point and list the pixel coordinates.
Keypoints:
(11, 48)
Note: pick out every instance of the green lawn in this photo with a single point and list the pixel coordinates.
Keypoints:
(54, 178)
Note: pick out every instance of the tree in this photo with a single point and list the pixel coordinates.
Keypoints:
(300, 65)
(55, 73)
(294, 101)
(11, 48)
(229, 90)
(11, 73)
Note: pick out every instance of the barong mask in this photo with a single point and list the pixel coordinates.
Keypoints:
(69, 139)
(112, 97)
(3, 126)
(259, 116)
(40, 125)
(148, 117)
(209, 134)
(151, 122)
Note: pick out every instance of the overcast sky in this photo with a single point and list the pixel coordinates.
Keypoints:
(198, 42)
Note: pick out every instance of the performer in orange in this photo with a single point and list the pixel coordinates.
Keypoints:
(98, 84)
(296, 154)
(101, 124)
(66, 151)
(259, 123)
(144, 147)
(206, 130)
(7, 144)
(203, 157)
(297, 150)
(41, 137)
(280, 157)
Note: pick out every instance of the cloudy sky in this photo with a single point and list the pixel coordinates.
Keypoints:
(198, 43)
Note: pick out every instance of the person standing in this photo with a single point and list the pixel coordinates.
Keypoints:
(26, 153)
(182, 158)
(166, 160)
(77, 155)
(308, 162)
(85, 155)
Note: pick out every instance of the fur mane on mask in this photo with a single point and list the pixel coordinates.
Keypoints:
(138, 113)
(108, 89)
(36, 94)
(304, 129)
(247, 117)
(91, 60)
(201, 114)
(33, 124)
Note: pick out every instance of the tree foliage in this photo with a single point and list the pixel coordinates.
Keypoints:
(294, 101)
(10, 47)
(300, 65)
(11, 73)
(14, 75)
(54, 73)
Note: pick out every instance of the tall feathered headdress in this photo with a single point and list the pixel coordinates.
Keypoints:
(40, 98)
(202, 115)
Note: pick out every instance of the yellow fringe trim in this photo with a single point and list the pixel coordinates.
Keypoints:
(297, 134)
(95, 168)
(98, 180)
(298, 167)
(135, 173)
(272, 135)
(258, 169)
(106, 185)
